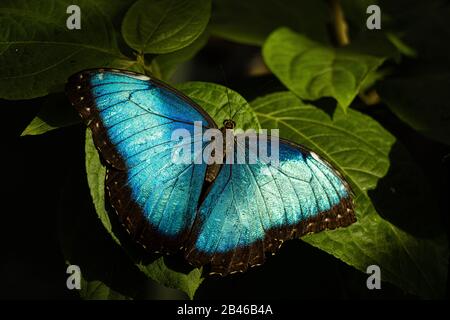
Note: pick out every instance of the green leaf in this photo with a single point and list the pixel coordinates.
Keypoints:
(313, 71)
(38, 52)
(162, 26)
(96, 173)
(55, 113)
(420, 99)
(251, 21)
(156, 270)
(362, 155)
(167, 63)
(187, 283)
(221, 103)
(37, 126)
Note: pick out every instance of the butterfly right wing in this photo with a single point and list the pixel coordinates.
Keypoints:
(252, 209)
(132, 119)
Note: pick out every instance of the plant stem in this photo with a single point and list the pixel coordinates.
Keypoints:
(340, 26)
(370, 98)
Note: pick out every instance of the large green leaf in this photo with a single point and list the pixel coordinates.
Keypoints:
(251, 21)
(38, 52)
(162, 26)
(421, 99)
(360, 148)
(313, 71)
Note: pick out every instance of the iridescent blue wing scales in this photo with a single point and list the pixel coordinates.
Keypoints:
(132, 118)
(252, 208)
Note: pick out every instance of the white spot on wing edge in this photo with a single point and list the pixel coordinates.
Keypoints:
(315, 156)
(139, 77)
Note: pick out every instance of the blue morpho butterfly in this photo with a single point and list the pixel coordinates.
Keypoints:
(226, 217)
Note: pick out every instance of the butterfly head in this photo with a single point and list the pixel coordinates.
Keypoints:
(229, 124)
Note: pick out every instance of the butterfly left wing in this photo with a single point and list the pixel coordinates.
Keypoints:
(132, 118)
(252, 208)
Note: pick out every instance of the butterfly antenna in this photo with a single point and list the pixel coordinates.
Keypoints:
(229, 102)
(232, 115)
(237, 112)
(226, 88)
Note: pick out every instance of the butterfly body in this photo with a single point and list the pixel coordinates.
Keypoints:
(223, 215)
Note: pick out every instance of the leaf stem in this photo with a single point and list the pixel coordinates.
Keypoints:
(370, 98)
(340, 26)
